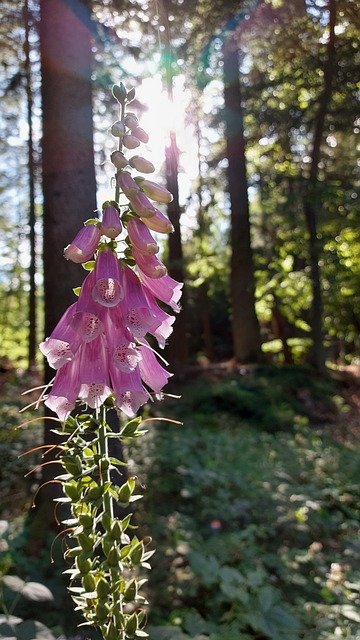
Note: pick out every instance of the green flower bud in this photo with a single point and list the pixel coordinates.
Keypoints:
(116, 530)
(94, 493)
(86, 542)
(131, 625)
(119, 92)
(113, 557)
(130, 591)
(131, 95)
(102, 611)
(83, 563)
(86, 520)
(136, 553)
(102, 588)
(88, 582)
(106, 521)
(72, 491)
(72, 465)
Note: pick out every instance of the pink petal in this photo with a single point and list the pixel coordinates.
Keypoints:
(166, 289)
(84, 245)
(152, 373)
(123, 352)
(161, 329)
(110, 224)
(149, 264)
(64, 392)
(107, 290)
(141, 237)
(129, 391)
(87, 325)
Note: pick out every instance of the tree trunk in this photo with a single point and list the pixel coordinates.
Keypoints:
(69, 186)
(312, 200)
(32, 339)
(245, 326)
(177, 350)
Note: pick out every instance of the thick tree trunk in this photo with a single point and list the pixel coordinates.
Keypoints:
(312, 201)
(245, 326)
(69, 186)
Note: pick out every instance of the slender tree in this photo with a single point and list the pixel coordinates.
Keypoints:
(312, 201)
(245, 326)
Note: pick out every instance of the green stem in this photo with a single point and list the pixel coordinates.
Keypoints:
(122, 116)
(108, 506)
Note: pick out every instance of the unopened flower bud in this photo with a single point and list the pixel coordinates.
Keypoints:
(142, 205)
(118, 159)
(155, 191)
(131, 95)
(140, 133)
(159, 223)
(127, 184)
(84, 245)
(141, 237)
(130, 141)
(131, 120)
(141, 164)
(118, 129)
(119, 92)
(149, 264)
(110, 225)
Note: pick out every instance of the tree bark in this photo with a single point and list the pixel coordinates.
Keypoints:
(312, 200)
(177, 349)
(245, 326)
(32, 338)
(69, 187)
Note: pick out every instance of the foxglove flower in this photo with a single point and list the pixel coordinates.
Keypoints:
(159, 223)
(84, 245)
(141, 164)
(152, 373)
(149, 264)
(63, 342)
(155, 191)
(111, 226)
(141, 237)
(65, 390)
(118, 159)
(141, 134)
(142, 205)
(135, 311)
(165, 289)
(129, 390)
(127, 184)
(94, 373)
(122, 349)
(107, 290)
(161, 328)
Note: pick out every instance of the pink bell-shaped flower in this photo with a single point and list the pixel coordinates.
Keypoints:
(84, 245)
(141, 237)
(165, 289)
(141, 205)
(161, 328)
(155, 191)
(107, 290)
(159, 223)
(65, 390)
(129, 391)
(94, 373)
(149, 264)
(110, 225)
(63, 342)
(152, 373)
(127, 184)
(122, 349)
(135, 311)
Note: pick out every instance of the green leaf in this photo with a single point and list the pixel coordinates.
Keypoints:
(37, 592)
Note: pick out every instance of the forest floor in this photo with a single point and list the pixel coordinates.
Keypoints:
(253, 503)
